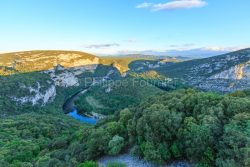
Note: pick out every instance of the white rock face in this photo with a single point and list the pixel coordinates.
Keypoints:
(80, 70)
(65, 79)
(153, 66)
(139, 68)
(238, 72)
(37, 95)
(124, 74)
(50, 94)
(108, 90)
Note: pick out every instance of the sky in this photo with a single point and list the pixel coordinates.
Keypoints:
(125, 26)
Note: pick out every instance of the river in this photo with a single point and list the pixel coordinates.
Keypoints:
(82, 118)
(70, 110)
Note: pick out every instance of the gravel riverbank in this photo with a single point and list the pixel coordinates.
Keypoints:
(131, 161)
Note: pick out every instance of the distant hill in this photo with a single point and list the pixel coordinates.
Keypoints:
(195, 53)
(51, 76)
(225, 72)
(123, 62)
(40, 60)
(222, 73)
(30, 61)
(147, 56)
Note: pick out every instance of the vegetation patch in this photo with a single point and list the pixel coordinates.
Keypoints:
(116, 95)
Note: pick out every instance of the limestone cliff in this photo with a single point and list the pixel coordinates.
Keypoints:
(37, 96)
(238, 72)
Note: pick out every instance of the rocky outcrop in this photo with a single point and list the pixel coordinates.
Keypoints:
(238, 72)
(235, 78)
(37, 96)
(67, 77)
(64, 79)
(223, 73)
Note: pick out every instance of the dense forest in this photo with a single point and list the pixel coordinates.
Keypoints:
(113, 96)
(207, 129)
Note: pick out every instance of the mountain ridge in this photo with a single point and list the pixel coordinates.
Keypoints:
(30, 61)
(223, 73)
(40, 60)
(203, 71)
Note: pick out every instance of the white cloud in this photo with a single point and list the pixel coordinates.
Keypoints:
(97, 46)
(144, 5)
(185, 45)
(131, 40)
(175, 4)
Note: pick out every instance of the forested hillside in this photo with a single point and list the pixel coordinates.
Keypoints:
(145, 112)
(206, 129)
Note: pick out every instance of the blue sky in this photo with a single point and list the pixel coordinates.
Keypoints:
(124, 26)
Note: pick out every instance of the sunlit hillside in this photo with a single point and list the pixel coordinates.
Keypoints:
(121, 63)
(30, 61)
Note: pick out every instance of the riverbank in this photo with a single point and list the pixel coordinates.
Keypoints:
(131, 161)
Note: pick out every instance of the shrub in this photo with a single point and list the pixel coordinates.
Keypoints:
(115, 145)
(88, 164)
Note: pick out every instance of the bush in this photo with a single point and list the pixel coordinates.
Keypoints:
(116, 145)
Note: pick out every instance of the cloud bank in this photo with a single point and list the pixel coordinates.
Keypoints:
(176, 4)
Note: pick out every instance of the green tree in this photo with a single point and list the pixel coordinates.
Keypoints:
(88, 164)
(115, 145)
(234, 147)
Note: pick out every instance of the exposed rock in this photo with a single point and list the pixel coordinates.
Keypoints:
(82, 69)
(65, 79)
(108, 90)
(224, 73)
(49, 95)
(124, 74)
(131, 161)
(37, 96)
(238, 72)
